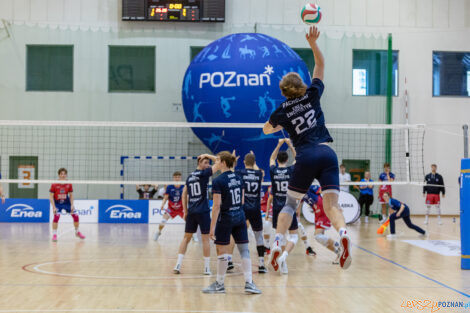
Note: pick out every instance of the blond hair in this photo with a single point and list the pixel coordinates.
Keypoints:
(292, 86)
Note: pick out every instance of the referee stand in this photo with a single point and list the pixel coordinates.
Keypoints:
(465, 205)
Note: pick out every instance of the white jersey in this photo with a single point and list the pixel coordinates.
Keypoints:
(342, 179)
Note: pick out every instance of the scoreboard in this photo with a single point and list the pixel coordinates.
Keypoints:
(174, 10)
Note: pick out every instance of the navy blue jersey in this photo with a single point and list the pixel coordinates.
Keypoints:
(395, 204)
(230, 186)
(303, 117)
(280, 181)
(196, 185)
(252, 180)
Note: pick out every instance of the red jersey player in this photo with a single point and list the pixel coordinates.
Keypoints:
(174, 196)
(322, 223)
(61, 197)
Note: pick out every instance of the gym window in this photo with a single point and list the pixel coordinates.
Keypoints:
(369, 73)
(49, 68)
(131, 69)
(451, 74)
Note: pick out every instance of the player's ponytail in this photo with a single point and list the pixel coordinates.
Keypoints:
(227, 158)
(292, 86)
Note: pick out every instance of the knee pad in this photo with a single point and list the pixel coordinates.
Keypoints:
(259, 238)
(283, 241)
(267, 227)
(75, 217)
(322, 239)
(290, 206)
(244, 251)
(56, 218)
(223, 257)
(301, 229)
(293, 238)
(163, 221)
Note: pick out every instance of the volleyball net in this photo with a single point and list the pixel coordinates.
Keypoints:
(108, 159)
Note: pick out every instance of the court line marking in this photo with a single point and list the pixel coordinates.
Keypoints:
(412, 271)
(37, 270)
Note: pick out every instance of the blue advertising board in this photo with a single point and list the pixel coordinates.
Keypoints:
(123, 211)
(25, 211)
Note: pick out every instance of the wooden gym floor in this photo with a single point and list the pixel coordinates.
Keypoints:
(119, 268)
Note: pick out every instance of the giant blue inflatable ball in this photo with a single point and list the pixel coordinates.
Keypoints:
(235, 79)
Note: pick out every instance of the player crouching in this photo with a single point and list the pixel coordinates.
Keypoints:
(61, 197)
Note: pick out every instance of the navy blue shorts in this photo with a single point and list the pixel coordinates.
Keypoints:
(195, 219)
(255, 219)
(228, 225)
(315, 162)
(64, 206)
(293, 225)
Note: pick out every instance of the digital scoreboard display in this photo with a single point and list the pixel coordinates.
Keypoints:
(174, 10)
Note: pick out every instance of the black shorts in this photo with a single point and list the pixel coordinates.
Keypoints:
(193, 220)
(255, 219)
(293, 226)
(231, 225)
(315, 162)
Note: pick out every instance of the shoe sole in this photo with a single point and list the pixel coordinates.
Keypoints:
(252, 292)
(345, 260)
(213, 292)
(274, 257)
(262, 271)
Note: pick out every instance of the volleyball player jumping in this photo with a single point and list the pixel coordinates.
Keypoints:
(303, 119)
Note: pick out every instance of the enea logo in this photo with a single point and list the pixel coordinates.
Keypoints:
(23, 210)
(234, 79)
(119, 211)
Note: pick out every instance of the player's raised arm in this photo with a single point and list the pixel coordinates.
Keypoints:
(272, 159)
(291, 147)
(312, 36)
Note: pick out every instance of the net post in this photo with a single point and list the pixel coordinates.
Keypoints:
(465, 141)
(388, 137)
(465, 214)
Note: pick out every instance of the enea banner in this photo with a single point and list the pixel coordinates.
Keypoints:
(25, 211)
(123, 211)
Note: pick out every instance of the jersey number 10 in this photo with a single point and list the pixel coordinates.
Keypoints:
(195, 189)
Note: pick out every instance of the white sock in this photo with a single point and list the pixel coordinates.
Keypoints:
(284, 255)
(76, 230)
(54, 231)
(222, 262)
(229, 257)
(343, 231)
(207, 261)
(246, 264)
(261, 261)
(180, 259)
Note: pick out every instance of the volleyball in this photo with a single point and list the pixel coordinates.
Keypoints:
(311, 14)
